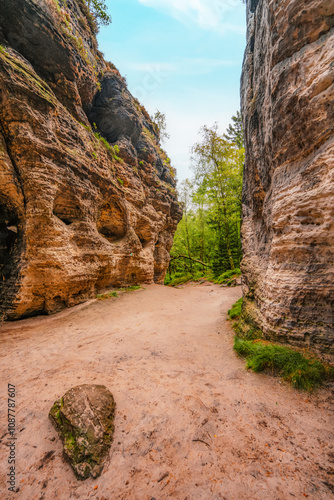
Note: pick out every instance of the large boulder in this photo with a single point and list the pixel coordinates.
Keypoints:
(84, 419)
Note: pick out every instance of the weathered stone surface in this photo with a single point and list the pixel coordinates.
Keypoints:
(76, 215)
(288, 199)
(84, 419)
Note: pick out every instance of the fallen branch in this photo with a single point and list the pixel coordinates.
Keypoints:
(190, 258)
(201, 441)
(163, 477)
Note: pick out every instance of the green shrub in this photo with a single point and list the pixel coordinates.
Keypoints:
(303, 372)
(203, 276)
(228, 277)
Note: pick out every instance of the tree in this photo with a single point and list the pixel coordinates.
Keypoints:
(218, 167)
(208, 237)
(235, 132)
(159, 121)
(99, 12)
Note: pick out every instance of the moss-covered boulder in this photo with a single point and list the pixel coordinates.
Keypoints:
(84, 419)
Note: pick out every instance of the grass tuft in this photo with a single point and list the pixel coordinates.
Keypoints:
(303, 372)
(130, 288)
(106, 296)
(235, 311)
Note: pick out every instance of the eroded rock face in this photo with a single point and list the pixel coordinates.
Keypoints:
(84, 419)
(288, 199)
(77, 213)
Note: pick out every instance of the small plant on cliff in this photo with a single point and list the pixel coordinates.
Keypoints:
(111, 150)
(3, 50)
(96, 13)
(87, 127)
(160, 125)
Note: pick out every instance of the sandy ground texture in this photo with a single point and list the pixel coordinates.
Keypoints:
(191, 423)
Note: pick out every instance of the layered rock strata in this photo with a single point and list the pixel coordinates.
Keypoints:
(87, 196)
(288, 197)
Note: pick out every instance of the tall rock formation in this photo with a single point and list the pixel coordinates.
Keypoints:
(87, 196)
(288, 198)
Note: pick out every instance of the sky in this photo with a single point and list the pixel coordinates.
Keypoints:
(183, 58)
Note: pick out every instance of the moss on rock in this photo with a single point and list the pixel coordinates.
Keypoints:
(84, 419)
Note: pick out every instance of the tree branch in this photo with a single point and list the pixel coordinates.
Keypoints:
(189, 258)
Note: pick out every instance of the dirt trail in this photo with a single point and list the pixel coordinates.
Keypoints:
(191, 422)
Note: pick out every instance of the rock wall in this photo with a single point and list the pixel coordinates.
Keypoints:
(87, 196)
(288, 199)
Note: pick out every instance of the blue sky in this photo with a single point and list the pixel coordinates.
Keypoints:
(182, 57)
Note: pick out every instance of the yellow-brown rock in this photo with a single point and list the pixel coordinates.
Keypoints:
(288, 198)
(77, 213)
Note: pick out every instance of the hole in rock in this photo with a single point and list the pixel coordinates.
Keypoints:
(111, 221)
(144, 231)
(66, 206)
(9, 236)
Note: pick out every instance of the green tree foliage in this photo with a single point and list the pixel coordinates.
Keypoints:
(208, 236)
(97, 13)
(159, 121)
(235, 132)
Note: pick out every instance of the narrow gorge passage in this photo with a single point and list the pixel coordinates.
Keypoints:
(190, 423)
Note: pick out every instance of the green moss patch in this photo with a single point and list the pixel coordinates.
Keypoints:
(28, 76)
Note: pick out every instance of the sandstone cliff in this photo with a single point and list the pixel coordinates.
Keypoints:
(288, 198)
(87, 196)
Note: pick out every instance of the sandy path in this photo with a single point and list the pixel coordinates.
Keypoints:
(186, 408)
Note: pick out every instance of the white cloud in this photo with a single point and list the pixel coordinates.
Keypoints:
(184, 66)
(208, 14)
